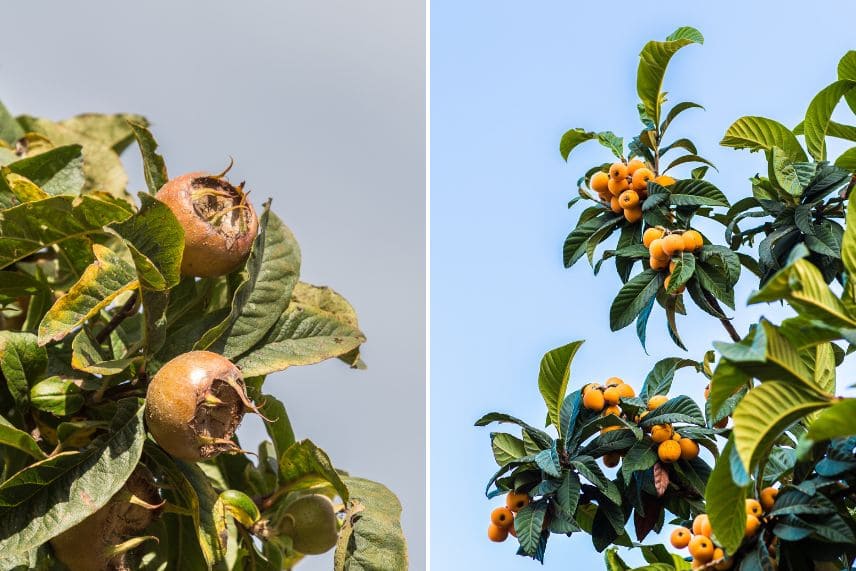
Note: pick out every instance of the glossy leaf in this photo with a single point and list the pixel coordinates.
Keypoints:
(653, 61)
(553, 377)
(632, 298)
(819, 114)
(725, 502)
(762, 134)
(571, 139)
(766, 411)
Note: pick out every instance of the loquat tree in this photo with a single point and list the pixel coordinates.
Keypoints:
(776, 485)
(135, 334)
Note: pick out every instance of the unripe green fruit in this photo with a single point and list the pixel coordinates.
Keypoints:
(194, 404)
(87, 546)
(219, 222)
(311, 523)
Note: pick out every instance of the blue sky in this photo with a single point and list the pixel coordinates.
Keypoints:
(507, 79)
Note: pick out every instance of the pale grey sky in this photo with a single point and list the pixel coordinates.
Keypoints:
(321, 103)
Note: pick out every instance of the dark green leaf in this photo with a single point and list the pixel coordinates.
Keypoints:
(154, 167)
(55, 494)
(633, 297)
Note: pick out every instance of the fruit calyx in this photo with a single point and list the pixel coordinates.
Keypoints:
(105, 539)
(218, 219)
(194, 405)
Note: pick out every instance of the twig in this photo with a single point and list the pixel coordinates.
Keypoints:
(726, 323)
(129, 309)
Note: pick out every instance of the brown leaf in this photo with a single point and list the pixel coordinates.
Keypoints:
(661, 479)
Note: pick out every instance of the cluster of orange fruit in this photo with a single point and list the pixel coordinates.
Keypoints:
(626, 186)
(604, 399)
(671, 446)
(502, 518)
(662, 245)
(705, 553)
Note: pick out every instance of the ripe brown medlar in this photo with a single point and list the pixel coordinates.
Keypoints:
(218, 220)
(194, 404)
(95, 543)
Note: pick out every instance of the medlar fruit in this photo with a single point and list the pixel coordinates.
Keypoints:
(194, 404)
(311, 523)
(94, 543)
(219, 222)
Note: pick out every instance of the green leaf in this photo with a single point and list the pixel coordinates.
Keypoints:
(679, 409)
(819, 114)
(182, 494)
(301, 336)
(104, 280)
(52, 495)
(653, 61)
(802, 285)
(304, 465)
(571, 139)
(29, 227)
(725, 502)
(640, 457)
(333, 304)
(691, 158)
(847, 160)
(528, 525)
(22, 362)
(57, 396)
(506, 448)
(553, 378)
(20, 440)
(837, 421)
(823, 366)
(87, 355)
(632, 298)
(541, 438)
(727, 379)
(577, 241)
(848, 242)
(211, 530)
(264, 292)
(10, 130)
(676, 110)
(612, 142)
(279, 427)
(568, 494)
(696, 192)
(57, 171)
(659, 380)
(156, 240)
(371, 538)
(760, 133)
(154, 167)
(684, 270)
(765, 412)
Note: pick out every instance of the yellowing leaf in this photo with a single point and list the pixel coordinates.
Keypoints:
(106, 278)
